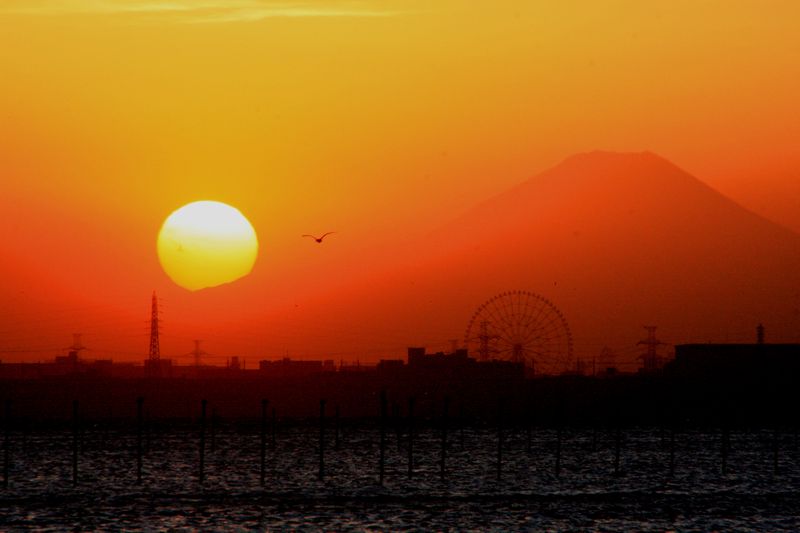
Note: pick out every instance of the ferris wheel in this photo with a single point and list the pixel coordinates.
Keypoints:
(522, 327)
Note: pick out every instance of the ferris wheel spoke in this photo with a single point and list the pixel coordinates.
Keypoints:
(535, 331)
(501, 319)
(516, 307)
(541, 312)
(520, 302)
(531, 322)
(531, 308)
(548, 330)
(528, 310)
(508, 341)
(506, 312)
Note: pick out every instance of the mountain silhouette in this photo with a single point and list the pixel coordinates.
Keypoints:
(616, 241)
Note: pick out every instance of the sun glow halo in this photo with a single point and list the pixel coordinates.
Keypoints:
(205, 244)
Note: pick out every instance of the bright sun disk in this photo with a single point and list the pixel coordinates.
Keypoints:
(205, 244)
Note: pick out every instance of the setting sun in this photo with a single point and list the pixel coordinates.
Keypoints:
(205, 244)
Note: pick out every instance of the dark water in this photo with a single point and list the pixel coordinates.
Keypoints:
(529, 496)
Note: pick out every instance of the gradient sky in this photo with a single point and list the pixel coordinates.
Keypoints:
(380, 120)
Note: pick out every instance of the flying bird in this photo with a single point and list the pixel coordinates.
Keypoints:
(319, 239)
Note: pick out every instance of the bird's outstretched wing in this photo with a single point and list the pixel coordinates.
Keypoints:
(319, 239)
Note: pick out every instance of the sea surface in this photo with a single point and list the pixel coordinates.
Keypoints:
(591, 491)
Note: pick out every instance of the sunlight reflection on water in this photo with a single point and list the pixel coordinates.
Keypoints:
(529, 495)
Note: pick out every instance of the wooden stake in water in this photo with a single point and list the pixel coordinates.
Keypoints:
(396, 424)
(139, 447)
(148, 431)
(74, 442)
(336, 428)
(461, 423)
(443, 458)
(558, 450)
(272, 433)
(263, 471)
(411, 402)
(672, 452)
(528, 432)
(201, 472)
(6, 442)
(321, 473)
(775, 441)
(383, 438)
(617, 450)
(213, 430)
(499, 440)
(724, 445)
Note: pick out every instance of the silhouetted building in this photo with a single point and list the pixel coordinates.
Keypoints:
(739, 362)
(459, 365)
(735, 383)
(156, 368)
(418, 359)
(389, 366)
(291, 368)
(356, 367)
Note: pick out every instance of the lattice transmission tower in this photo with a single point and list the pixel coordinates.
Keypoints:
(154, 359)
(197, 353)
(652, 361)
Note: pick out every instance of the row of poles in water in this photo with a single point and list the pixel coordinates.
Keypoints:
(268, 429)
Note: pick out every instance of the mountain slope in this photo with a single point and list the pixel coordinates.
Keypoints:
(616, 241)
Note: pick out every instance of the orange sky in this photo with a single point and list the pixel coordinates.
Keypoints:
(380, 120)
